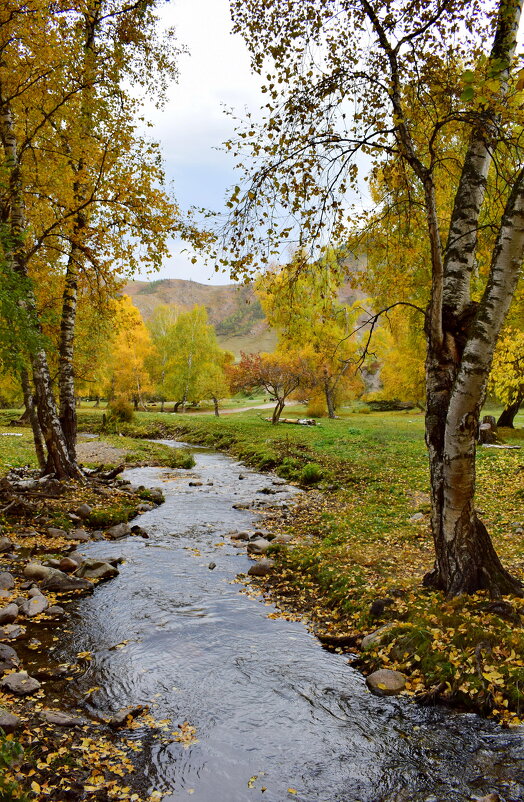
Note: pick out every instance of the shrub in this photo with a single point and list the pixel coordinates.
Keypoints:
(311, 473)
(316, 407)
(120, 410)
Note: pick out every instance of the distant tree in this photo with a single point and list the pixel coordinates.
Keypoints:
(213, 381)
(132, 347)
(399, 347)
(507, 374)
(301, 302)
(194, 340)
(279, 374)
(161, 326)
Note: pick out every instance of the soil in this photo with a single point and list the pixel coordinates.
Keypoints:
(94, 451)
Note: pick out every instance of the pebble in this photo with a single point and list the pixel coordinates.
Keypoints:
(261, 568)
(386, 682)
(60, 719)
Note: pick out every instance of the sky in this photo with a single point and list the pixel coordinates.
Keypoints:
(215, 72)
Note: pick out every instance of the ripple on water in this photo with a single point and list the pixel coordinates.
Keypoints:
(272, 709)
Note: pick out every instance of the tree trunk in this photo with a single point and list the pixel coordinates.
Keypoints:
(508, 414)
(162, 402)
(277, 412)
(66, 379)
(465, 558)
(97, 402)
(215, 405)
(176, 406)
(328, 392)
(33, 418)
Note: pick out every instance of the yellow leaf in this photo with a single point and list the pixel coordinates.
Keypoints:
(35, 787)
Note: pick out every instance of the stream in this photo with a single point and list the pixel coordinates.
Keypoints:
(271, 708)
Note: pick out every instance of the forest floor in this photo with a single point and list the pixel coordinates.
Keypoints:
(361, 545)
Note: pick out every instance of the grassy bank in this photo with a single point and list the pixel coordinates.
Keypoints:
(362, 545)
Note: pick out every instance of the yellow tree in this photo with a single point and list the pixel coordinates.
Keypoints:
(507, 374)
(132, 348)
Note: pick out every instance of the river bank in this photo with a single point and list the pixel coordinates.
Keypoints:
(362, 545)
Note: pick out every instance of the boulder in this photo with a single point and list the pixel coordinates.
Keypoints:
(259, 546)
(7, 581)
(34, 606)
(261, 568)
(8, 614)
(156, 495)
(37, 571)
(8, 721)
(374, 638)
(67, 565)
(84, 511)
(139, 531)
(283, 538)
(126, 715)
(55, 611)
(60, 719)
(77, 557)
(386, 682)
(5, 545)
(97, 569)
(10, 632)
(77, 534)
(239, 536)
(118, 531)
(145, 507)
(20, 683)
(8, 658)
(53, 532)
(58, 582)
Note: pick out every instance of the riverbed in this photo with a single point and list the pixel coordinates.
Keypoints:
(275, 716)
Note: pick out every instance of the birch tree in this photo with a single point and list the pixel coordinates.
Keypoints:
(390, 82)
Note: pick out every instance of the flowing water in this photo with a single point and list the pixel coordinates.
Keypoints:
(272, 709)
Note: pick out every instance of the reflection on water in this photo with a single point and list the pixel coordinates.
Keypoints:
(272, 709)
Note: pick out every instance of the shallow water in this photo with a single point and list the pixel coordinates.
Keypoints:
(272, 709)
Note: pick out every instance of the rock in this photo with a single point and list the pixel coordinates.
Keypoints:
(267, 491)
(377, 607)
(8, 721)
(37, 571)
(60, 719)
(75, 519)
(52, 563)
(259, 546)
(118, 531)
(386, 682)
(419, 516)
(283, 539)
(58, 582)
(138, 531)
(239, 536)
(261, 568)
(241, 476)
(195, 484)
(20, 683)
(52, 532)
(32, 592)
(5, 545)
(76, 557)
(156, 495)
(84, 511)
(8, 614)
(121, 718)
(97, 569)
(67, 565)
(27, 533)
(97, 535)
(55, 611)
(8, 658)
(7, 581)
(374, 638)
(489, 798)
(77, 534)
(11, 632)
(279, 482)
(34, 606)
(145, 507)
(211, 566)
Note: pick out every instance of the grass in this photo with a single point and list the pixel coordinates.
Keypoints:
(355, 543)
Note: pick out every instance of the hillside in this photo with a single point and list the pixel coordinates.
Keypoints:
(233, 309)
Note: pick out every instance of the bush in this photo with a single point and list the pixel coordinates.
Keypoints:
(120, 410)
(311, 473)
(316, 407)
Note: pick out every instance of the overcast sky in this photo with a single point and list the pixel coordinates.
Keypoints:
(193, 125)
